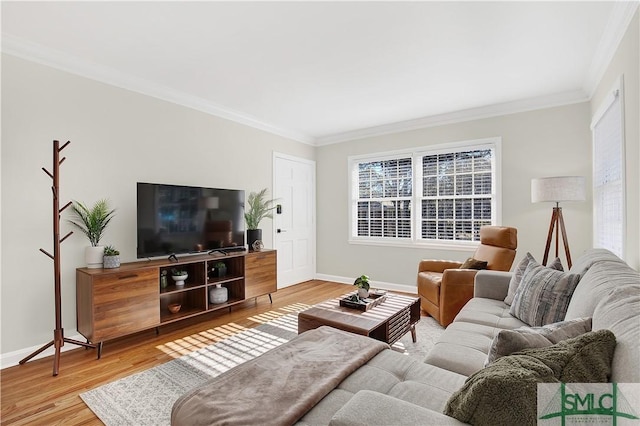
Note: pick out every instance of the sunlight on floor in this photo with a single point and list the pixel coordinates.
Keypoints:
(287, 322)
(271, 315)
(296, 307)
(234, 343)
(233, 351)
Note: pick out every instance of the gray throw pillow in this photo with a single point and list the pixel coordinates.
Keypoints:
(507, 342)
(505, 392)
(543, 295)
(516, 278)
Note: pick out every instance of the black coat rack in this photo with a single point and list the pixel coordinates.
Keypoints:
(58, 334)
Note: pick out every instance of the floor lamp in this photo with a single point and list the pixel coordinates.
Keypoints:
(557, 189)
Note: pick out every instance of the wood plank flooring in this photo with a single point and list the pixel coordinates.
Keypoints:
(30, 395)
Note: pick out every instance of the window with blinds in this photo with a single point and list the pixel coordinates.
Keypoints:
(453, 187)
(457, 195)
(384, 198)
(609, 174)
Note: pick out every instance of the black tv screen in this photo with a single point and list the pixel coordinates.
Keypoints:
(185, 219)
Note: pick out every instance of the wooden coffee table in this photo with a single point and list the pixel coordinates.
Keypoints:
(388, 321)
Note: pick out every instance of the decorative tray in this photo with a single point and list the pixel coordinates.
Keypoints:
(364, 305)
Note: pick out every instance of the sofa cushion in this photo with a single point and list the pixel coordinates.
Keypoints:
(518, 272)
(507, 342)
(464, 345)
(512, 380)
(491, 312)
(372, 408)
(596, 284)
(394, 374)
(619, 312)
(543, 295)
(402, 372)
(591, 257)
(491, 284)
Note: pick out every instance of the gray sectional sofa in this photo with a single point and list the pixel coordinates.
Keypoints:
(392, 388)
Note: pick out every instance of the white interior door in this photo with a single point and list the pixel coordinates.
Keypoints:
(294, 222)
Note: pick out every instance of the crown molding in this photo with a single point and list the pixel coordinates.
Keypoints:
(614, 31)
(62, 61)
(488, 111)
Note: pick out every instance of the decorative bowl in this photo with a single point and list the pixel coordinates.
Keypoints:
(179, 279)
(174, 308)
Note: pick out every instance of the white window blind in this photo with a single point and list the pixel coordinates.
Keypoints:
(609, 174)
(384, 198)
(441, 194)
(457, 194)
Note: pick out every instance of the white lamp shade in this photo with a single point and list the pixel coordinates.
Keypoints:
(556, 189)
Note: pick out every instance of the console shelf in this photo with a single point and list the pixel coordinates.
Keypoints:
(111, 303)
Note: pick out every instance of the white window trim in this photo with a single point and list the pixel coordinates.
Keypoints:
(616, 93)
(495, 143)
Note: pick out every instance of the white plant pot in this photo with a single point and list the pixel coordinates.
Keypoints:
(94, 256)
(362, 293)
(179, 279)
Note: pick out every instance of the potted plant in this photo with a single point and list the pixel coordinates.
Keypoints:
(259, 207)
(221, 269)
(179, 276)
(111, 257)
(92, 222)
(362, 282)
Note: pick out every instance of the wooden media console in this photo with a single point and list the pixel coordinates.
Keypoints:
(112, 303)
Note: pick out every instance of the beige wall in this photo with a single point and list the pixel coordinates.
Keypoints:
(549, 142)
(626, 62)
(117, 138)
(120, 137)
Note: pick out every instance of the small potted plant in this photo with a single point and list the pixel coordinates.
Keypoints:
(111, 258)
(362, 282)
(92, 222)
(258, 208)
(220, 269)
(179, 276)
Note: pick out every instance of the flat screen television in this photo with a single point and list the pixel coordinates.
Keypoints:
(176, 219)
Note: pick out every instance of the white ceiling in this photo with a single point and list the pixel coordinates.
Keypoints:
(322, 72)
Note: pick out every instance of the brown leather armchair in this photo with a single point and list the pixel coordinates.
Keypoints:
(444, 288)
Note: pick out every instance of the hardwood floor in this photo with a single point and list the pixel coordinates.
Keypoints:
(31, 395)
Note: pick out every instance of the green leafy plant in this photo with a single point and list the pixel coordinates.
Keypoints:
(92, 222)
(111, 251)
(258, 208)
(176, 272)
(362, 282)
(220, 265)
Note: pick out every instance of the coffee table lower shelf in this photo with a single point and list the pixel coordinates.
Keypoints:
(387, 322)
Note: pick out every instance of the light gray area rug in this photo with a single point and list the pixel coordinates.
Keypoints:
(146, 398)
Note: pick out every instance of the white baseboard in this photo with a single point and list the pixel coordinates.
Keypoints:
(374, 284)
(281, 285)
(11, 359)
